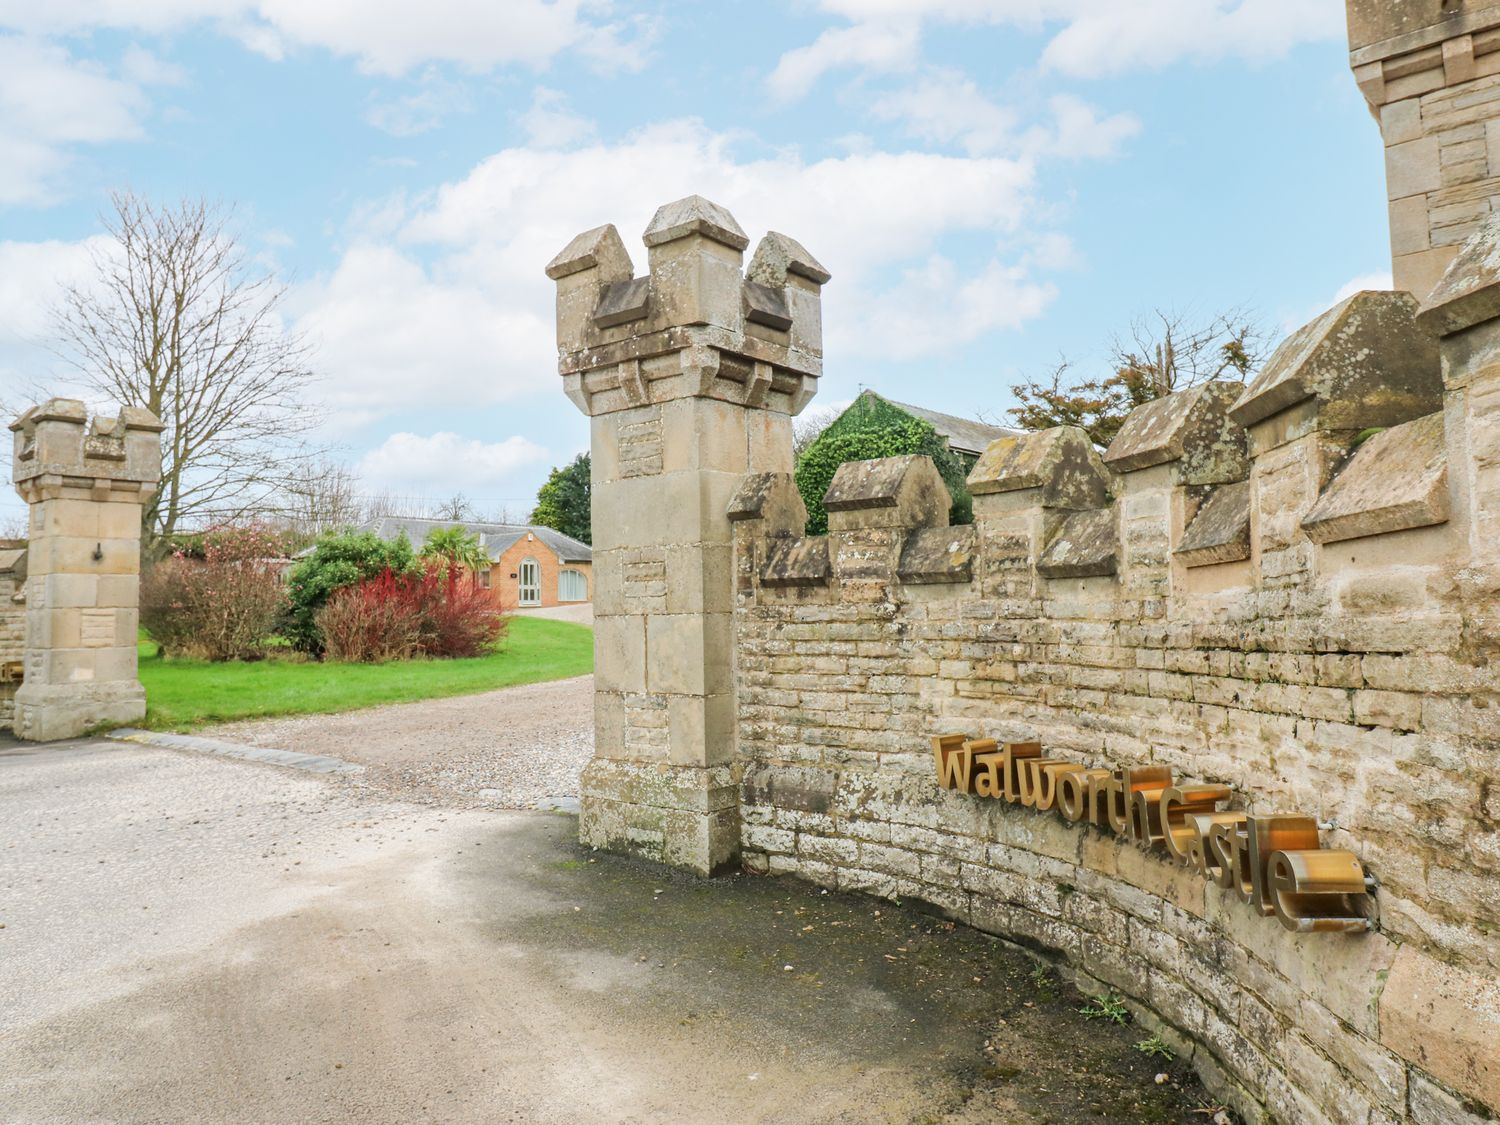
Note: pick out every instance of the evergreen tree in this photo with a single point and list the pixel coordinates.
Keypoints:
(563, 502)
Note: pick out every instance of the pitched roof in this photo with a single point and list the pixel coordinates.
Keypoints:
(965, 435)
(495, 537)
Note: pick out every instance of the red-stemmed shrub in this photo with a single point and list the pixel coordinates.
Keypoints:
(222, 601)
(440, 611)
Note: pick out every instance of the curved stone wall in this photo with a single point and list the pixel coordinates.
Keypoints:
(1248, 589)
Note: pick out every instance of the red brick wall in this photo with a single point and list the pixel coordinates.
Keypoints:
(505, 575)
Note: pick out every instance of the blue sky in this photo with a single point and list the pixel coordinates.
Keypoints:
(991, 182)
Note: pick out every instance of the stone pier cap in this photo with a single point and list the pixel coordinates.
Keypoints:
(55, 443)
(698, 323)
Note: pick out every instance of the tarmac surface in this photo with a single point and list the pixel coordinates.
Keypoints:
(188, 937)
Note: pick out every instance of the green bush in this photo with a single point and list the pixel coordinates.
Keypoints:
(877, 431)
(338, 560)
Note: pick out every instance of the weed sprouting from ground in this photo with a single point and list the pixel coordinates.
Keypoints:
(1106, 1007)
(1154, 1048)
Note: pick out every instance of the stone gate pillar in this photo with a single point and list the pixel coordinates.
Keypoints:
(85, 484)
(691, 376)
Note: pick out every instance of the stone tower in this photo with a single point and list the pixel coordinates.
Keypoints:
(691, 376)
(1430, 70)
(85, 484)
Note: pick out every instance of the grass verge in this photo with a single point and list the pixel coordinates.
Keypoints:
(184, 694)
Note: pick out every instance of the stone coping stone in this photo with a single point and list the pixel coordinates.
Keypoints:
(767, 306)
(599, 248)
(797, 562)
(1191, 426)
(778, 255)
(13, 561)
(1062, 462)
(872, 484)
(937, 554)
(312, 763)
(1397, 480)
(622, 302)
(1085, 546)
(1366, 362)
(694, 215)
(1468, 293)
(1220, 532)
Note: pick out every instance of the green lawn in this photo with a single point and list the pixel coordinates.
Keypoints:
(182, 694)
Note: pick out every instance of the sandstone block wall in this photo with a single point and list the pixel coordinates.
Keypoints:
(85, 481)
(12, 625)
(1248, 589)
(1430, 70)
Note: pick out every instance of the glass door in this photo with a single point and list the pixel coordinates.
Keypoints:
(531, 582)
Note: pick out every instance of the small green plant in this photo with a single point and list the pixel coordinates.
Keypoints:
(1043, 981)
(1154, 1048)
(1106, 1007)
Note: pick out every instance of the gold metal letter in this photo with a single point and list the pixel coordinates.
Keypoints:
(1318, 891)
(955, 762)
(1182, 838)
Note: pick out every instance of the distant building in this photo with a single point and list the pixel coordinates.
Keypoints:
(965, 436)
(530, 566)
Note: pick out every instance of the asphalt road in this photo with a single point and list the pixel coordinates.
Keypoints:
(189, 938)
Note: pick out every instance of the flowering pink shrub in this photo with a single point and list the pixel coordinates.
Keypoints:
(222, 606)
(440, 611)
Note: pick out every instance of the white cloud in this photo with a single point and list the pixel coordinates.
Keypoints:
(946, 107)
(442, 303)
(870, 46)
(33, 276)
(385, 36)
(49, 101)
(1096, 37)
(1376, 279)
(441, 463)
(435, 99)
(1078, 132)
(549, 123)
(393, 337)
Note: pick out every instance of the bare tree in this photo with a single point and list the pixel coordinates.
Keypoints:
(1164, 352)
(176, 323)
(456, 508)
(809, 424)
(321, 497)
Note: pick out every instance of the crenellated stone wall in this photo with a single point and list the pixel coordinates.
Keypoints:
(12, 624)
(1289, 589)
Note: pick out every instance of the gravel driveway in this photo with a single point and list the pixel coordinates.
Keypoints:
(516, 748)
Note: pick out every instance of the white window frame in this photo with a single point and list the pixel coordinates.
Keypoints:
(583, 585)
(534, 586)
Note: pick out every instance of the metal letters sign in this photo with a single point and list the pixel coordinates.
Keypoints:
(1275, 864)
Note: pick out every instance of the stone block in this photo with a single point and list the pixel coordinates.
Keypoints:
(1446, 1020)
(1220, 531)
(1468, 292)
(797, 561)
(1087, 545)
(1365, 362)
(936, 555)
(1191, 428)
(1061, 462)
(1397, 480)
(768, 504)
(689, 653)
(620, 653)
(904, 492)
(1411, 167)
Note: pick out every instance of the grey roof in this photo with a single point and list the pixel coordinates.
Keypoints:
(496, 537)
(964, 435)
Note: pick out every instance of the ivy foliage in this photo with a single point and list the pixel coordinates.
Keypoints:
(338, 560)
(870, 429)
(563, 503)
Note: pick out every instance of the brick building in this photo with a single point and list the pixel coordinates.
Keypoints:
(530, 566)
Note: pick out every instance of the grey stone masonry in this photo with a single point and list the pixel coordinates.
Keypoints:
(85, 482)
(690, 376)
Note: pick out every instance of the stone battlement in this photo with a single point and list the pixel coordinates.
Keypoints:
(56, 445)
(1281, 593)
(695, 325)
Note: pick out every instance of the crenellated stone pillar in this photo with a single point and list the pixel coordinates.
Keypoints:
(691, 376)
(86, 484)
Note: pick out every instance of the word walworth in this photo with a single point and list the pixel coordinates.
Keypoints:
(1274, 863)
